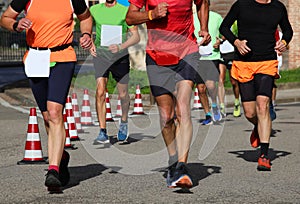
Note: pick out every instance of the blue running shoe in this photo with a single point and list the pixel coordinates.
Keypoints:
(207, 121)
(272, 112)
(123, 132)
(216, 114)
(102, 137)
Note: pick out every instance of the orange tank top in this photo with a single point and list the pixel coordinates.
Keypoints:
(52, 25)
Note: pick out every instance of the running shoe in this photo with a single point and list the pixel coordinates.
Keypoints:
(237, 110)
(123, 132)
(207, 121)
(170, 174)
(216, 114)
(52, 181)
(64, 174)
(272, 112)
(254, 138)
(181, 178)
(222, 110)
(264, 163)
(102, 137)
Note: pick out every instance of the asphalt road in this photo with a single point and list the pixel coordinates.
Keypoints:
(221, 162)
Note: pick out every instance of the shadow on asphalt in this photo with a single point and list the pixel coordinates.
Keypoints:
(252, 155)
(82, 173)
(273, 131)
(131, 139)
(197, 171)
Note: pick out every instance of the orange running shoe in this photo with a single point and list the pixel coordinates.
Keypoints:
(264, 163)
(254, 138)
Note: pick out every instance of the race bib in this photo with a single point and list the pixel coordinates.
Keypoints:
(37, 63)
(206, 50)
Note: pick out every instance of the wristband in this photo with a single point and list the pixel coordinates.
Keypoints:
(285, 43)
(150, 15)
(86, 34)
(15, 26)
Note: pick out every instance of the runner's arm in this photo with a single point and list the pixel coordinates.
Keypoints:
(230, 18)
(203, 15)
(133, 39)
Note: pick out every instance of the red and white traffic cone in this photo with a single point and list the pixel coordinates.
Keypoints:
(68, 144)
(138, 104)
(70, 119)
(76, 113)
(119, 108)
(86, 115)
(108, 109)
(197, 102)
(33, 147)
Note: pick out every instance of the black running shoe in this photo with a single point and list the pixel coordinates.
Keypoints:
(64, 174)
(52, 181)
(181, 178)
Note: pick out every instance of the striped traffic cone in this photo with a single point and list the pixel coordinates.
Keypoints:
(197, 102)
(86, 115)
(76, 113)
(108, 109)
(119, 108)
(138, 104)
(68, 144)
(33, 148)
(70, 119)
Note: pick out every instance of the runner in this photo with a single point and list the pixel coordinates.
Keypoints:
(49, 35)
(112, 57)
(255, 65)
(172, 57)
(209, 64)
(227, 54)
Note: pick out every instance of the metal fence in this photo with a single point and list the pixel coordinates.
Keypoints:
(13, 46)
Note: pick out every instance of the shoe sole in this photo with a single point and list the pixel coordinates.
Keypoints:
(102, 142)
(210, 123)
(53, 190)
(263, 168)
(182, 182)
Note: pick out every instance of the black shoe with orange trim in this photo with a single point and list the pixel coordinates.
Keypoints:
(181, 178)
(254, 138)
(264, 163)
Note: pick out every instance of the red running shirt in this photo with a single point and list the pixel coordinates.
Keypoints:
(170, 38)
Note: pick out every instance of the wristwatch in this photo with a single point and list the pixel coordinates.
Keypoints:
(15, 26)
